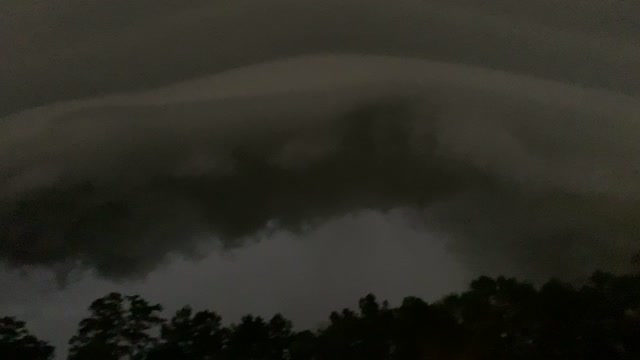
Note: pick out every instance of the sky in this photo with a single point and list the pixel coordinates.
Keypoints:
(303, 278)
(265, 156)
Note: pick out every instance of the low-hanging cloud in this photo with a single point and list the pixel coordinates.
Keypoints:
(509, 167)
(65, 49)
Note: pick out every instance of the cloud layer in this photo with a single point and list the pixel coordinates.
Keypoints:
(512, 168)
(59, 50)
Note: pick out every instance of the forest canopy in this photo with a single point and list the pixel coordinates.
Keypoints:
(496, 318)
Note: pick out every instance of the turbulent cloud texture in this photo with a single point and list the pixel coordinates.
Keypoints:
(512, 133)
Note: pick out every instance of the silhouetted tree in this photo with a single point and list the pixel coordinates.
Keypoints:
(363, 335)
(16, 343)
(280, 336)
(425, 331)
(119, 327)
(303, 346)
(248, 340)
(496, 318)
(496, 315)
(189, 336)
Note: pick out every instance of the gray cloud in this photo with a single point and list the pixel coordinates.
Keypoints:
(67, 49)
(512, 168)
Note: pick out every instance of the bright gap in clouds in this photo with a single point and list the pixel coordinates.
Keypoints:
(302, 277)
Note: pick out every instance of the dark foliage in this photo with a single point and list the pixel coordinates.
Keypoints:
(498, 318)
(16, 343)
(119, 327)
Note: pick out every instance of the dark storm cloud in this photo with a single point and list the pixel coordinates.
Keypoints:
(513, 168)
(57, 50)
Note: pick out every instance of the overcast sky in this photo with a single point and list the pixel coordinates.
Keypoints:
(138, 137)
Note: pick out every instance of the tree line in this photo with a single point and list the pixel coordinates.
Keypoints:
(494, 319)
